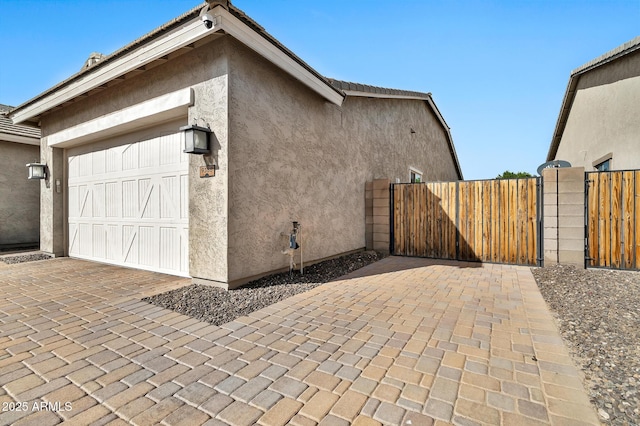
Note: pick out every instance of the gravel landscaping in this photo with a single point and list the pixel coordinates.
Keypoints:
(218, 306)
(27, 257)
(598, 314)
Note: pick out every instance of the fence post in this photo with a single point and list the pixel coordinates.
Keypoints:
(368, 215)
(381, 213)
(563, 217)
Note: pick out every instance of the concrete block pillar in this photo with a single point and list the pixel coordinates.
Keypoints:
(368, 215)
(381, 220)
(564, 206)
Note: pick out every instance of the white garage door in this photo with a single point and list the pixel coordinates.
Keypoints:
(128, 204)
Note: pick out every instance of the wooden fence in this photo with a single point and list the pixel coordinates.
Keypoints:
(486, 220)
(613, 240)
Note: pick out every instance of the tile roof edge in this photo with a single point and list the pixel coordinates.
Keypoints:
(365, 88)
(622, 50)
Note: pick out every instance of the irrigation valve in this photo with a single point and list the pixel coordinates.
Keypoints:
(290, 251)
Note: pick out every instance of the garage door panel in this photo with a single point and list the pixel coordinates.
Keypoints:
(147, 246)
(169, 238)
(169, 200)
(128, 204)
(130, 157)
(130, 244)
(97, 200)
(112, 194)
(113, 243)
(112, 160)
(84, 239)
(98, 240)
(148, 199)
(170, 152)
(83, 196)
(129, 199)
(73, 239)
(98, 162)
(184, 197)
(148, 153)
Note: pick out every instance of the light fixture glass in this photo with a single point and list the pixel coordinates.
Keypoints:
(37, 171)
(196, 139)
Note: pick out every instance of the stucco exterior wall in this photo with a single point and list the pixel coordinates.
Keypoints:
(19, 197)
(205, 70)
(295, 157)
(604, 117)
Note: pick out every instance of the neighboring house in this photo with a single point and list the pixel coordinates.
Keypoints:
(598, 127)
(19, 197)
(287, 145)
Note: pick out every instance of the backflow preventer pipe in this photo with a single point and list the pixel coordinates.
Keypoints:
(295, 237)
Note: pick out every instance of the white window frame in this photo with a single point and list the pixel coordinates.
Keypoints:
(413, 171)
(597, 164)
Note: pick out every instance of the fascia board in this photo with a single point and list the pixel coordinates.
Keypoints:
(165, 44)
(162, 108)
(8, 137)
(236, 28)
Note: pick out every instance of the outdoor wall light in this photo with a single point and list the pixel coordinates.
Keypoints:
(37, 171)
(196, 139)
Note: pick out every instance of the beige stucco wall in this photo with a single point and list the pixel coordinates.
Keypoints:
(294, 156)
(205, 70)
(604, 117)
(19, 197)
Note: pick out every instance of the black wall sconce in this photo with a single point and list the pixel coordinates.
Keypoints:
(37, 171)
(196, 139)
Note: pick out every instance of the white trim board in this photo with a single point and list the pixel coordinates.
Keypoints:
(163, 108)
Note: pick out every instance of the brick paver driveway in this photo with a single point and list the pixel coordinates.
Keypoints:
(403, 341)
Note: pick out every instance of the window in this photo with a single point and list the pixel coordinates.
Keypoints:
(603, 163)
(604, 166)
(416, 177)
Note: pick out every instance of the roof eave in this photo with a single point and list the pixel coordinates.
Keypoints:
(27, 140)
(567, 101)
(180, 32)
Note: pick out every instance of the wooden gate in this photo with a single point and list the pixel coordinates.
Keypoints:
(612, 219)
(485, 220)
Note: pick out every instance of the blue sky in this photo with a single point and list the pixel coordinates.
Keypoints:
(497, 70)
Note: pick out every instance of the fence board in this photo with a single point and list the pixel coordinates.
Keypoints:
(463, 219)
(494, 221)
(504, 221)
(604, 234)
(453, 226)
(486, 221)
(478, 218)
(616, 216)
(433, 217)
(513, 196)
(628, 220)
(593, 224)
(636, 208)
(531, 222)
(521, 235)
(613, 239)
